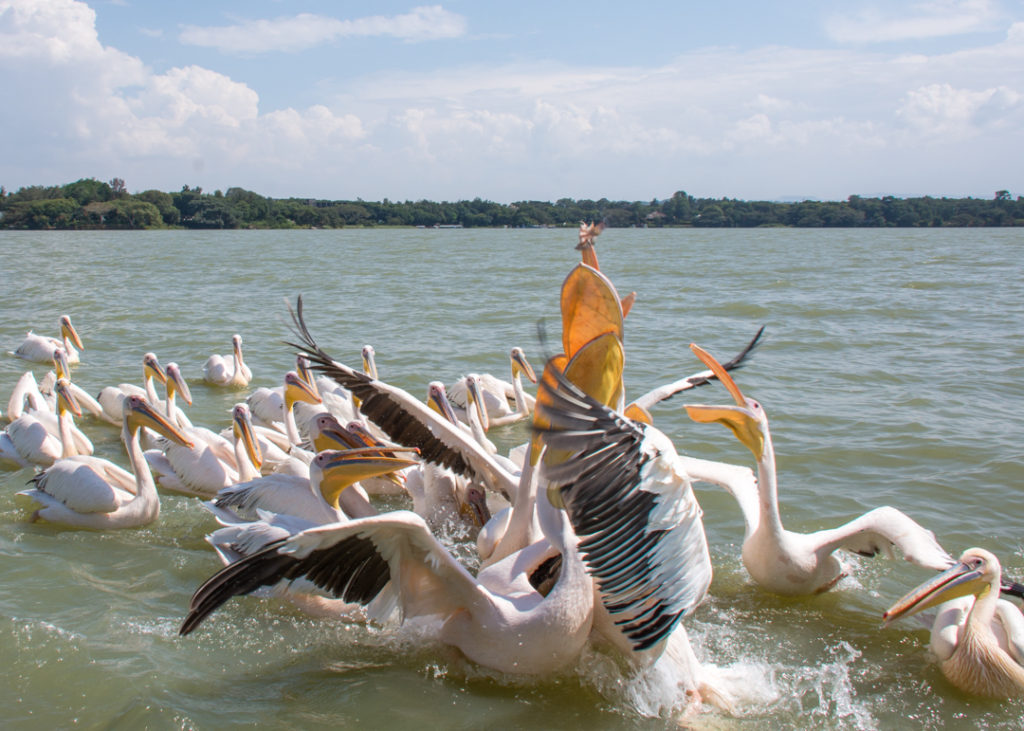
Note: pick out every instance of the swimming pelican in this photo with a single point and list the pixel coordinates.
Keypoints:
(86, 403)
(28, 441)
(39, 348)
(228, 370)
(323, 497)
(510, 628)
(785, 562)
(979, 640)
(206, 465)
(504, 402)
(80, 493)
(112, 398)
(329, 495)
(40, 397)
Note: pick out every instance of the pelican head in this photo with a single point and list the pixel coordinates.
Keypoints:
(243, 430)
(326, 432)
(521, 365)
(977, 572)
(176, 383)
(236, 345)
(474, 399)
(303, 369)
(66, 401)
(746, 419)
(337, 469)
(68, 331)
(60, 363)
(475, 505)
(437, 399)
(369, 362)
(296, 389)
(151, 368)
(138, 413)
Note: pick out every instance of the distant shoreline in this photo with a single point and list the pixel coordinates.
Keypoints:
(89, 204)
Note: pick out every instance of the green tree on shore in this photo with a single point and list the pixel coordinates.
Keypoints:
(89, 203)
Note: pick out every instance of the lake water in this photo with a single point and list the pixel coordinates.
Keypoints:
(892, 372)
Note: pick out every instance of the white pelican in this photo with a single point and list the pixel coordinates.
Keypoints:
(323, 497)
(80, 493)
(327, 497)
(111, 398)
(200, 469)
(228, 370)
(85, 400)
(39, 397)
(39, 348)
(406, 420)
(979, 640)
(27, 440)
(510, 628)
(785, 562)
(504, 402)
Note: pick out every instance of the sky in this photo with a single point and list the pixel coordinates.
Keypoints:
(800, 99)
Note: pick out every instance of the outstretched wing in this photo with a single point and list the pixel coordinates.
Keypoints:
(353, 561)
(883, 529)
(630, 503)
(663, 393)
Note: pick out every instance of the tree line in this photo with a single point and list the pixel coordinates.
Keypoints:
(92, 204)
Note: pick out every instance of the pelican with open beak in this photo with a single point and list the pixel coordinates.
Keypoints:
(785, 562)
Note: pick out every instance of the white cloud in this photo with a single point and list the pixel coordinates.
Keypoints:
(307, 30)
(891, 22)
(941, 110)
(713, 121)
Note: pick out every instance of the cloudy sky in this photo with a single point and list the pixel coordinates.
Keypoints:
(509, 101)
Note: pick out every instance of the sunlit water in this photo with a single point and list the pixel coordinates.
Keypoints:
(892, 371)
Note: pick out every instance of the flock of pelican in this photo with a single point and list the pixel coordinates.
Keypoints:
(590, 532)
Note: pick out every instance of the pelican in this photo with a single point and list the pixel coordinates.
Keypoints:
(80, 493)
(979, 639)
(39, 348)
(228, 370)
(791, 563)
(39, 397)
(509, 628)
(27, 440)
(496, 393)
(323, 497)
(200, 469)
(112, 398)
(327, 497)
(85, 401)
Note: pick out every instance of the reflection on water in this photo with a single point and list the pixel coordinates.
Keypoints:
(891, 373)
